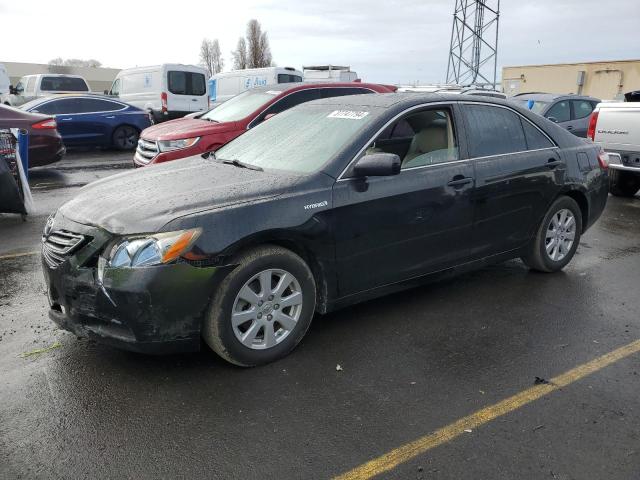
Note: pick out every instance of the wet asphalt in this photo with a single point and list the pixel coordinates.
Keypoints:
(411, 363)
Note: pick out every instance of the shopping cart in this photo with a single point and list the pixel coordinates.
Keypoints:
(12, 190)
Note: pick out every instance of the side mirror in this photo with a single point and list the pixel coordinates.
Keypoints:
(553, 119)
(12, 90)
(377, 165)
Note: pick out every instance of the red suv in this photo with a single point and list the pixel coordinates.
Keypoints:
(209, 131)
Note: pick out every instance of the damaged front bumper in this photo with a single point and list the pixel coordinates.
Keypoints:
(156, 309)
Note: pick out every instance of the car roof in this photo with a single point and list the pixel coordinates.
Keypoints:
(406, 99)
(550, 97)
(294, 86)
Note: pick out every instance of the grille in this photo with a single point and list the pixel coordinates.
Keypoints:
(58, 245)
(146, 150)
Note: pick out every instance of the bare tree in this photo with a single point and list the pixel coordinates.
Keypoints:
(74, 62)
(258, 50)
(240, 60)
(211, 56)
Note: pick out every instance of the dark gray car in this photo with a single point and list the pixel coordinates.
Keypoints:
(569, 111)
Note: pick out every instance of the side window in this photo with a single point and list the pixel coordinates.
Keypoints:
(115, 88)
(88, 105)
(560, 112)
(493, 131)
(291, 100)
(581, 108)
(288, 78)
(66, 106)
(424, 138)
(535, 138)
(31, 85)
(20, 85)
(342, 91)
(48, 108)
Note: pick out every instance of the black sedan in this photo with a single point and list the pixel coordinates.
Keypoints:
(329, 203)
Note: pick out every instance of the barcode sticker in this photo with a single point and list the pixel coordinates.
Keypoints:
(348, 114)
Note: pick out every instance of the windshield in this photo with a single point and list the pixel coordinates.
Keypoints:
(240, 106)
(299, 140)
(536, 106)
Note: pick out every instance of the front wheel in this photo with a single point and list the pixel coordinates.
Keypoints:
(262, 309)
(623, 184)
(125, 137)
(557, 237)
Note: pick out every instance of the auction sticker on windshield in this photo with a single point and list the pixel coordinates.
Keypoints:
(348, 114)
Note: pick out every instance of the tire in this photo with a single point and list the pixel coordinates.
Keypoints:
(125, 137)
(623, 184)
(550, 250)
(256, 311)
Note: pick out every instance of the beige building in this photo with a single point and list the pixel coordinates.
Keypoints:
(604, 80)
(99, 79)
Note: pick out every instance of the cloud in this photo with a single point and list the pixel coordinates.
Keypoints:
(396, 41)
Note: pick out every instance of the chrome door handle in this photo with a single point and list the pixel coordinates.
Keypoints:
(112, 116)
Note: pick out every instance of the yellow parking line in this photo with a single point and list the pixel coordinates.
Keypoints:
(395, 457)
(16, 255)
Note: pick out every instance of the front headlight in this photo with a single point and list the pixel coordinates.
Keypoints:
(157, 249)
(170, 145)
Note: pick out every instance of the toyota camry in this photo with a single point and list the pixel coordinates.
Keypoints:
(329, 203)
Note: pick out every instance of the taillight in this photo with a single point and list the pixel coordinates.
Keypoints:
(603, 159)
(591, 131)
(163, 99)
(45, 125)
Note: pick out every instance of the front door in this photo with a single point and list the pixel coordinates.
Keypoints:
(517, 174)
(389, 229)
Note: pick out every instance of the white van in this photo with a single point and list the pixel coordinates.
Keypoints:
(167, 91)
(225, 85)
(328, 73)
(31, 87)
(5, 83)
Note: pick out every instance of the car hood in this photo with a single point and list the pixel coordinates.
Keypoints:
(185, 128)
(145, 200)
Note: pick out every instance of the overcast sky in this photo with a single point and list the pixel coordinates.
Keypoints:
(395, 41)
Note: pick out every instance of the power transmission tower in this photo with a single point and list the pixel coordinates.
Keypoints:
(474, 43)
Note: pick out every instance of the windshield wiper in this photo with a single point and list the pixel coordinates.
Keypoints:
(238, 163)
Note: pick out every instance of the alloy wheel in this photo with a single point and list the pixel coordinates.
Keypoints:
(561, 233)
(266, 309)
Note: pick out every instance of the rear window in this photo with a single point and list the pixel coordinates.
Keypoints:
(187, 83)
(63, 84)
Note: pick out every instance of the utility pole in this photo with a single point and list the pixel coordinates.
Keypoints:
(473, 53)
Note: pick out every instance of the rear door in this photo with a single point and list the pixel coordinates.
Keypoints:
(186, 91)
(65, 111)
(560, 113)
(390, 229)
(518, 172)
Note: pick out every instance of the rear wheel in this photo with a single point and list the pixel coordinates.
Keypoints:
(125, 137)
(557, 237)
(623, 184)
(262, 309)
